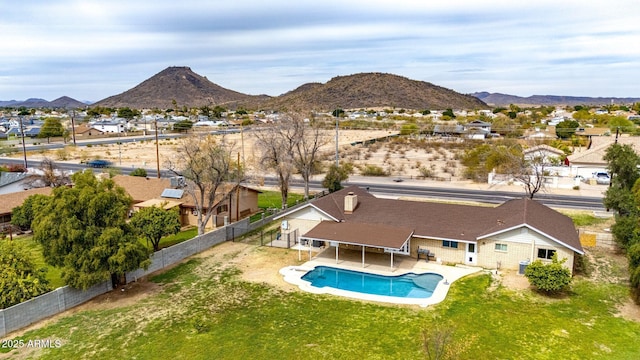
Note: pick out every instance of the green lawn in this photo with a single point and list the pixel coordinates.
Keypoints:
(174, 239)
(272, 199)
(204, 310)
(35, 249)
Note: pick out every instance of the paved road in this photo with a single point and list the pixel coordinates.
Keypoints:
(484, 196)
(380, 188)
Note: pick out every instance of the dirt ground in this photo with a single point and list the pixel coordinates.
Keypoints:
(392, 158)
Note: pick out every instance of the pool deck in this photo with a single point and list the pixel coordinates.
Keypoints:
(377, 264)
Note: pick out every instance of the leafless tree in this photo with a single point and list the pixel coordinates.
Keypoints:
(277, 144)
(311, 139)
(49, 175)
(530, 171)
(206, 164)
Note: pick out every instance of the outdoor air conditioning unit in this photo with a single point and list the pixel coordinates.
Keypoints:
(178, 182)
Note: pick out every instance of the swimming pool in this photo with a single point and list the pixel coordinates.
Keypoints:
(418, 286)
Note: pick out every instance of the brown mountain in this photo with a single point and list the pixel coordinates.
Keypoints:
(370, 90)
(176, 87)
(365, 90)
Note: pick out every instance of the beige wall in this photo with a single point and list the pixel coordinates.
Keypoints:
(522, 245)
(248, 206)
(447, 255)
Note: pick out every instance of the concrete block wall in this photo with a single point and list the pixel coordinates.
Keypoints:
(45, 305)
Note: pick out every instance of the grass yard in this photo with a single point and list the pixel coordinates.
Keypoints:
(170, 240)
(204, 309)
(35, 249)
(273, 199)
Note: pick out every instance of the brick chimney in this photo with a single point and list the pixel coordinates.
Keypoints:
(350, 203)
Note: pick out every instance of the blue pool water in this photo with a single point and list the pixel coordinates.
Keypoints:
(407, 286)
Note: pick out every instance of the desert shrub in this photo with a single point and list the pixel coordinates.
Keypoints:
(373, 170)
(423, 171)
(62, 154)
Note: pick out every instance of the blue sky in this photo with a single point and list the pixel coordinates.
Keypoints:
(90, 50)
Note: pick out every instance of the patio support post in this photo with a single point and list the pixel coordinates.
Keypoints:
(392, 260)
(362, 255)
(336, 253)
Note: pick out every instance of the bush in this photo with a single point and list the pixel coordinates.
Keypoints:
(373, 170)
(139, 172)
(549, 278)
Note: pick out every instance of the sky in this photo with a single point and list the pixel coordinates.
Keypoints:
(90, 50)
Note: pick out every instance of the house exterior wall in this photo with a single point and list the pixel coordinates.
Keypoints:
(446, 254)
(305, 219)
(522, 245)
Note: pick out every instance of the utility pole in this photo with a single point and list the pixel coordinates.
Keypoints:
(24, 149)
(73, 126)
(337, 155)
(157, 150)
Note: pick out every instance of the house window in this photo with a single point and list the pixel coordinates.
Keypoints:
(222, 208)
(546, 253)
(501, 247)
(450, 244)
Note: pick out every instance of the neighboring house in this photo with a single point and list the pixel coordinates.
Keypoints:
(11, 200)
(448, 129)
(13, 182)
(478, 126)
(86, 130)
(170, 193)
(503, 237)
(109, 126)
(545, 153)
(585, 162)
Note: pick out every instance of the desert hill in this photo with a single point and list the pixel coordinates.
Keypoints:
(365, 90)
(176, 87)
(36, 103)
(498, 99)
(373, 90)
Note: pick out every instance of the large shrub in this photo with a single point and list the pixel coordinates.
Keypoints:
(549, 278)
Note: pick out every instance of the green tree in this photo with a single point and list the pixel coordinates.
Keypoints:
(83, 230)
(155, 222)
(336, 175)
(128, 113)
(183, 125)
(449, 113)
(633, 255)
(549, 278)
(139, 172)
(22, 216)
(52, 127)
(19, 278)
(566, 128)
(622, 164)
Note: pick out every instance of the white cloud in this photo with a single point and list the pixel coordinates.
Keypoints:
(91, 49)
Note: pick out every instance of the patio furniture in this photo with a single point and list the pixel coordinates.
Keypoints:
(427, 254)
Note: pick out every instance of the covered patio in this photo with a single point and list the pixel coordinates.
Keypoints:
(380, 238)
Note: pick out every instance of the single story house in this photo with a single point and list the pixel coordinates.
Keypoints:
(502, 237)
(233, 203)
(86, 130)
(10, 200)
(585, 162)
(544, 153)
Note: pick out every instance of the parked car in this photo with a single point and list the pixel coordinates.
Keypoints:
(602, 178)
